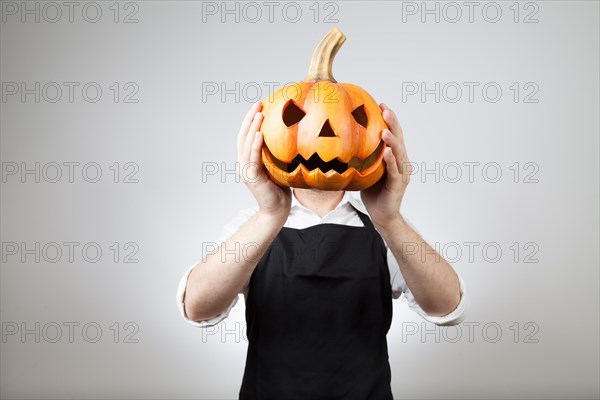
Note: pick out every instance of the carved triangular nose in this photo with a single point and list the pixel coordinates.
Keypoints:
(326, 130)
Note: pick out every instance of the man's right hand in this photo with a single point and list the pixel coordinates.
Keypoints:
(274, 201)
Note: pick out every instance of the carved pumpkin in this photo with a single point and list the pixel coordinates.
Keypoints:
(322, 134)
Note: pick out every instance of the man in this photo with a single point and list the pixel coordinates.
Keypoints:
(319, 271)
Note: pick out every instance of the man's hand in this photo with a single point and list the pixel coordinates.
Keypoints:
(383, 199)
(274, 202)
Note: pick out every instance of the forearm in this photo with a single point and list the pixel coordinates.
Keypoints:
(215, 281)
(430, 278)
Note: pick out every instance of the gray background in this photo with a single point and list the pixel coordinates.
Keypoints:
(533, 326)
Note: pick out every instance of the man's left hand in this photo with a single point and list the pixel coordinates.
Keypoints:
(383, 199)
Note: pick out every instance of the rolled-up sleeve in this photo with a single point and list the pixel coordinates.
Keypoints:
(229, 229)
(455, 317)
(200, 324)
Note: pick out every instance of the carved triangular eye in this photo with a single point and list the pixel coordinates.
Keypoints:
(292, 114)
(360, 115)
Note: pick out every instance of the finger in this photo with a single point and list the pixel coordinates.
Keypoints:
(391, 120)
(390, 161)
(397, 147)
(253, 169)
(396, 144)
(246, 125)
(249, 138)
(249, 117)
(258, 117)
(256, 152)
(391, 168)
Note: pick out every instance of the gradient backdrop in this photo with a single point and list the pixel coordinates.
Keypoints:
(118, 125)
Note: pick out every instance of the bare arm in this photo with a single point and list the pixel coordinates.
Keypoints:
(430, 278)
(215, 282)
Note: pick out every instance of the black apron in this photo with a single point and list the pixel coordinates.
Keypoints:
(318, 309)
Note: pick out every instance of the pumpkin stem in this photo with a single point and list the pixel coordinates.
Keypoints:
(322, 58)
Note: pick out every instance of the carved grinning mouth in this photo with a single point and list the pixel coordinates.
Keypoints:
(315, 162)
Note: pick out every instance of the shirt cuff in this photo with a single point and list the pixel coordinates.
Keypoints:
(455, 317)
(200, 324)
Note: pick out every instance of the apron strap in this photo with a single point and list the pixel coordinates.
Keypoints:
(364, 218)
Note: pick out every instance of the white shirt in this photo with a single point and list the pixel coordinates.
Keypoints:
(301, 217)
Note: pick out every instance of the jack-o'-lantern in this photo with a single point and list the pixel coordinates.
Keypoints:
(322, 134)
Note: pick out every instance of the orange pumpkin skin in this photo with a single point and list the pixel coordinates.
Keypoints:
(322, 134)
